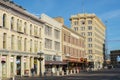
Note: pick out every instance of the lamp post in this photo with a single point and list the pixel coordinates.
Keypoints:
(40, 59)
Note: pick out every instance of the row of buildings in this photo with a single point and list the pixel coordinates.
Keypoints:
(66, 50)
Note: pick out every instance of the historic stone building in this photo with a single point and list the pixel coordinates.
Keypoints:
(92, 28)
(20, 40)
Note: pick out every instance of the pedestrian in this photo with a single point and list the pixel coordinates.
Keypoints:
(32, 71)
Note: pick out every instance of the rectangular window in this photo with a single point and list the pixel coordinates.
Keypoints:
(48, 30)
(12, 42)
(89, 27)
(89, 33)
(48, 43)
(89, 39)
(57, 46)
(57, 34)
(31, 45)
(89, 21)
(82, 28)
(4, 40)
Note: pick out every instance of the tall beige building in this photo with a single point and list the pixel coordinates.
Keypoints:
(90, 26)
(20, 40)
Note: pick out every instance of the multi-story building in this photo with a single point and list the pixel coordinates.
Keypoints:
(115, 58)
(92, 28)
(52, 45)
(20, 40)
(73, 47)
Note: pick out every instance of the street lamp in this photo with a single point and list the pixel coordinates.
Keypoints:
(40, 59)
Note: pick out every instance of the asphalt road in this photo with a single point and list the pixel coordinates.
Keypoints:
(113, 74)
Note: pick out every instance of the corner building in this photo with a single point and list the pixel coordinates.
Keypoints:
(20, 40)
(92, 28)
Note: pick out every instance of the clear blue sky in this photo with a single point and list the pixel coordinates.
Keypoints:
(106, 10)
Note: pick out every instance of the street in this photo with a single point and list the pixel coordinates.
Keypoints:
(111, 74)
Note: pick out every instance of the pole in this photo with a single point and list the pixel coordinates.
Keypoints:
(40, 69)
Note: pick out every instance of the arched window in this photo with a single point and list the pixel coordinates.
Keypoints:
(12, 42)
(30, 29)
(12, 23)
(4, 40)
(17, 24)
(25, 28)
(4, 20)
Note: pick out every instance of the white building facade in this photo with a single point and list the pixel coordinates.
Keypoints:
(52, 44)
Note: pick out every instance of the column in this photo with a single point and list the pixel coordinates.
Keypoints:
(15, 66)
(43, 65)
(38, 67)
(28, 65)
(0, 67)
(22, 65)
(8, 66)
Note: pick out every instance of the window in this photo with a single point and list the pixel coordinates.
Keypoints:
(19, 25)
(89, 33)
(31, 45)
(12, 42)
(35, 30)
(57, 46)
(12, 23)
(76, 28)
(89, 27)
(82, 28)
(89, 45)
(35, 46)
(89, 21)
(83, 34)
(48, 30)
(40, 32)
(30, 29)
(4, 41)
(25, 28)
(19, 41)
(48, 43)
(75, 22)
(4, 20)
(89, 39)
(57, 34)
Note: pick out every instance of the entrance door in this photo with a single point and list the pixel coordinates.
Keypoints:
(18, 62)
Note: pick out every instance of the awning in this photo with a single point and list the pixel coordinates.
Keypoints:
(55, 63)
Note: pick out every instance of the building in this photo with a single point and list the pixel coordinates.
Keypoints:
(92, 28)
(52, 45)
(115, 58)
(73, 47)
(20, 40)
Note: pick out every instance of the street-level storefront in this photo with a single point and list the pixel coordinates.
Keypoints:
(75, 65)
(54, 67)
(18, 64)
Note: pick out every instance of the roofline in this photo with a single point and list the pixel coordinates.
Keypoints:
(19, 9)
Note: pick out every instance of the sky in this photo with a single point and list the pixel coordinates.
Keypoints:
(107, 10)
